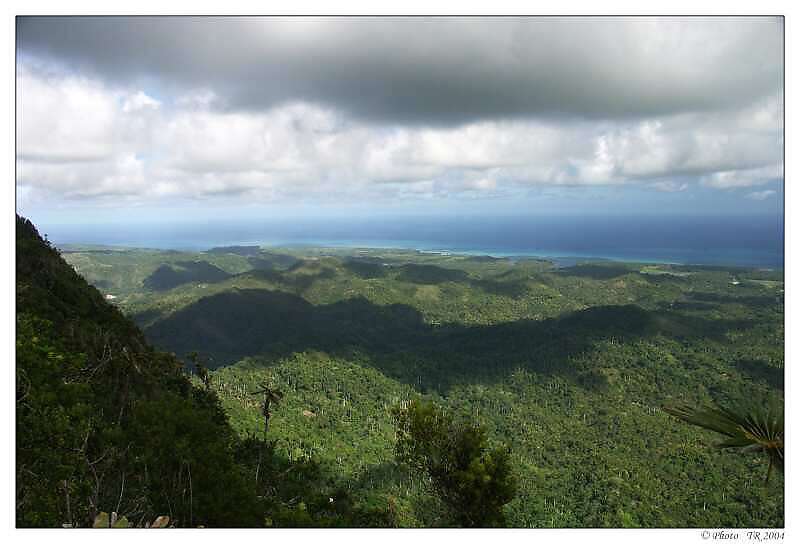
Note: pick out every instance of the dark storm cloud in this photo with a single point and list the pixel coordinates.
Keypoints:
(432, 71)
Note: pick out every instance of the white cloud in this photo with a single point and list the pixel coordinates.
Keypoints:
(80, 139)
(64, 119)
(139, 101)
(669, 186)
(731, 179)
(761, 195)
(200, 99)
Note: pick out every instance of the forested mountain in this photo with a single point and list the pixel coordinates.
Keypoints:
(104, 421)
(563, 371)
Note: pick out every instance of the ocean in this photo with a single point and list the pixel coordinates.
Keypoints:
(752, 241)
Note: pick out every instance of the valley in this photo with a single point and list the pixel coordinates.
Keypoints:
(569, 366)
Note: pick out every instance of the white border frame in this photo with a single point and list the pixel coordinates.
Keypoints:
(407, 7)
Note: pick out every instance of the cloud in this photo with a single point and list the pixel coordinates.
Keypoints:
(761, 195)
(138, 102)
(301, 110)
(431, 71)
(669, 186)
(69, 118)
(732, 179)
(82, 139)
(73, 120)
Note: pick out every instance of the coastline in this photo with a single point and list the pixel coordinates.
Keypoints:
(561, 259)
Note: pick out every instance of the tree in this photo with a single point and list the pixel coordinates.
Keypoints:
(271, 396)
(200, 369)
(749, 427)
(473, 481)
(106, 423)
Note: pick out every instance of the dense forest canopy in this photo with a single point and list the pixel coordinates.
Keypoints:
(552, 378)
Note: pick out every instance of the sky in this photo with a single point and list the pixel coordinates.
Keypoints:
(134, 119)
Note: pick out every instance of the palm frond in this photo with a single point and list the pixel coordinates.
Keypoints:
(748, 426)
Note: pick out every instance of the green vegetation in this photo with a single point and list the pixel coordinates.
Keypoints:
(750, 427)
(552, 378)
(104, 422)
(169, 276)
(271, 398)
(472, 481)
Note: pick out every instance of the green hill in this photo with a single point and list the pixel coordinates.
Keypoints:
(168, 276)
(569, 367)
(105, 422)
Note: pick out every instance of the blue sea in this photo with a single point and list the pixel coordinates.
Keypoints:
(753, 241)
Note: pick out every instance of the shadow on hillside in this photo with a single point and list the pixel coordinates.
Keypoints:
(762, 371)
(373, 268)
(395, 339)
(272, 261)
(365, 267)
(147, 317)
(169, 276)
(748, 300)
(664, 279)
(510, 289)
(428, 274)
(291, 280)
(687, 306)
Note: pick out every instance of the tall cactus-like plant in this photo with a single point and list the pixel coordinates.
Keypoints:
(272, 397)
(749, 427)
(200, 369)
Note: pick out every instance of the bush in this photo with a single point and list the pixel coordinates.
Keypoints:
(473, 481)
